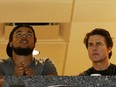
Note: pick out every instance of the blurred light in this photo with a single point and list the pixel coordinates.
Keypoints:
(35, 52)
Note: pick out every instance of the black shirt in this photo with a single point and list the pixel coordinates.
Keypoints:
(111, 70)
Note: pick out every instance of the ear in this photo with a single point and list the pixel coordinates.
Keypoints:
(10, 44)
(109, 49)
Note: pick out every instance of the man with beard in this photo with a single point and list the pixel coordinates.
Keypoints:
(99, 45)
(21, 62)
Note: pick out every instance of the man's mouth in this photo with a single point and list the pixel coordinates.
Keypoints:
(24, 41)
(95, 54)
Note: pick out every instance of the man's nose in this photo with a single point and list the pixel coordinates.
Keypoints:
(24, 35)
(94, 47)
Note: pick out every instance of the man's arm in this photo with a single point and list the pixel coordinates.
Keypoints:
(1, 81)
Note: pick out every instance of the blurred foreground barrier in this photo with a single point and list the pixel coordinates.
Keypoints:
(60, 81)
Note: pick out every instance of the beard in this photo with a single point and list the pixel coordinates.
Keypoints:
(22, 51)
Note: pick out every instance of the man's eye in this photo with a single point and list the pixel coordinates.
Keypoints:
(18, 35)
(29, 34)
(90, 44)
(99, 44)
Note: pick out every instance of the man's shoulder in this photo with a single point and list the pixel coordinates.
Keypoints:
(5, 61)
(86, 72)
(42, 60)
(112, 65)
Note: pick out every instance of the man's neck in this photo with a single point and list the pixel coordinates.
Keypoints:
(26, 60)
(101, 65)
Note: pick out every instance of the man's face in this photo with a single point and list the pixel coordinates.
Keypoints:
(97, 48)
(23, 41)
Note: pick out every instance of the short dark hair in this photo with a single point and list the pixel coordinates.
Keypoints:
(9, 49)
(102, 32)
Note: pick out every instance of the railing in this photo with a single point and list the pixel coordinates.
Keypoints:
(56, 81)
